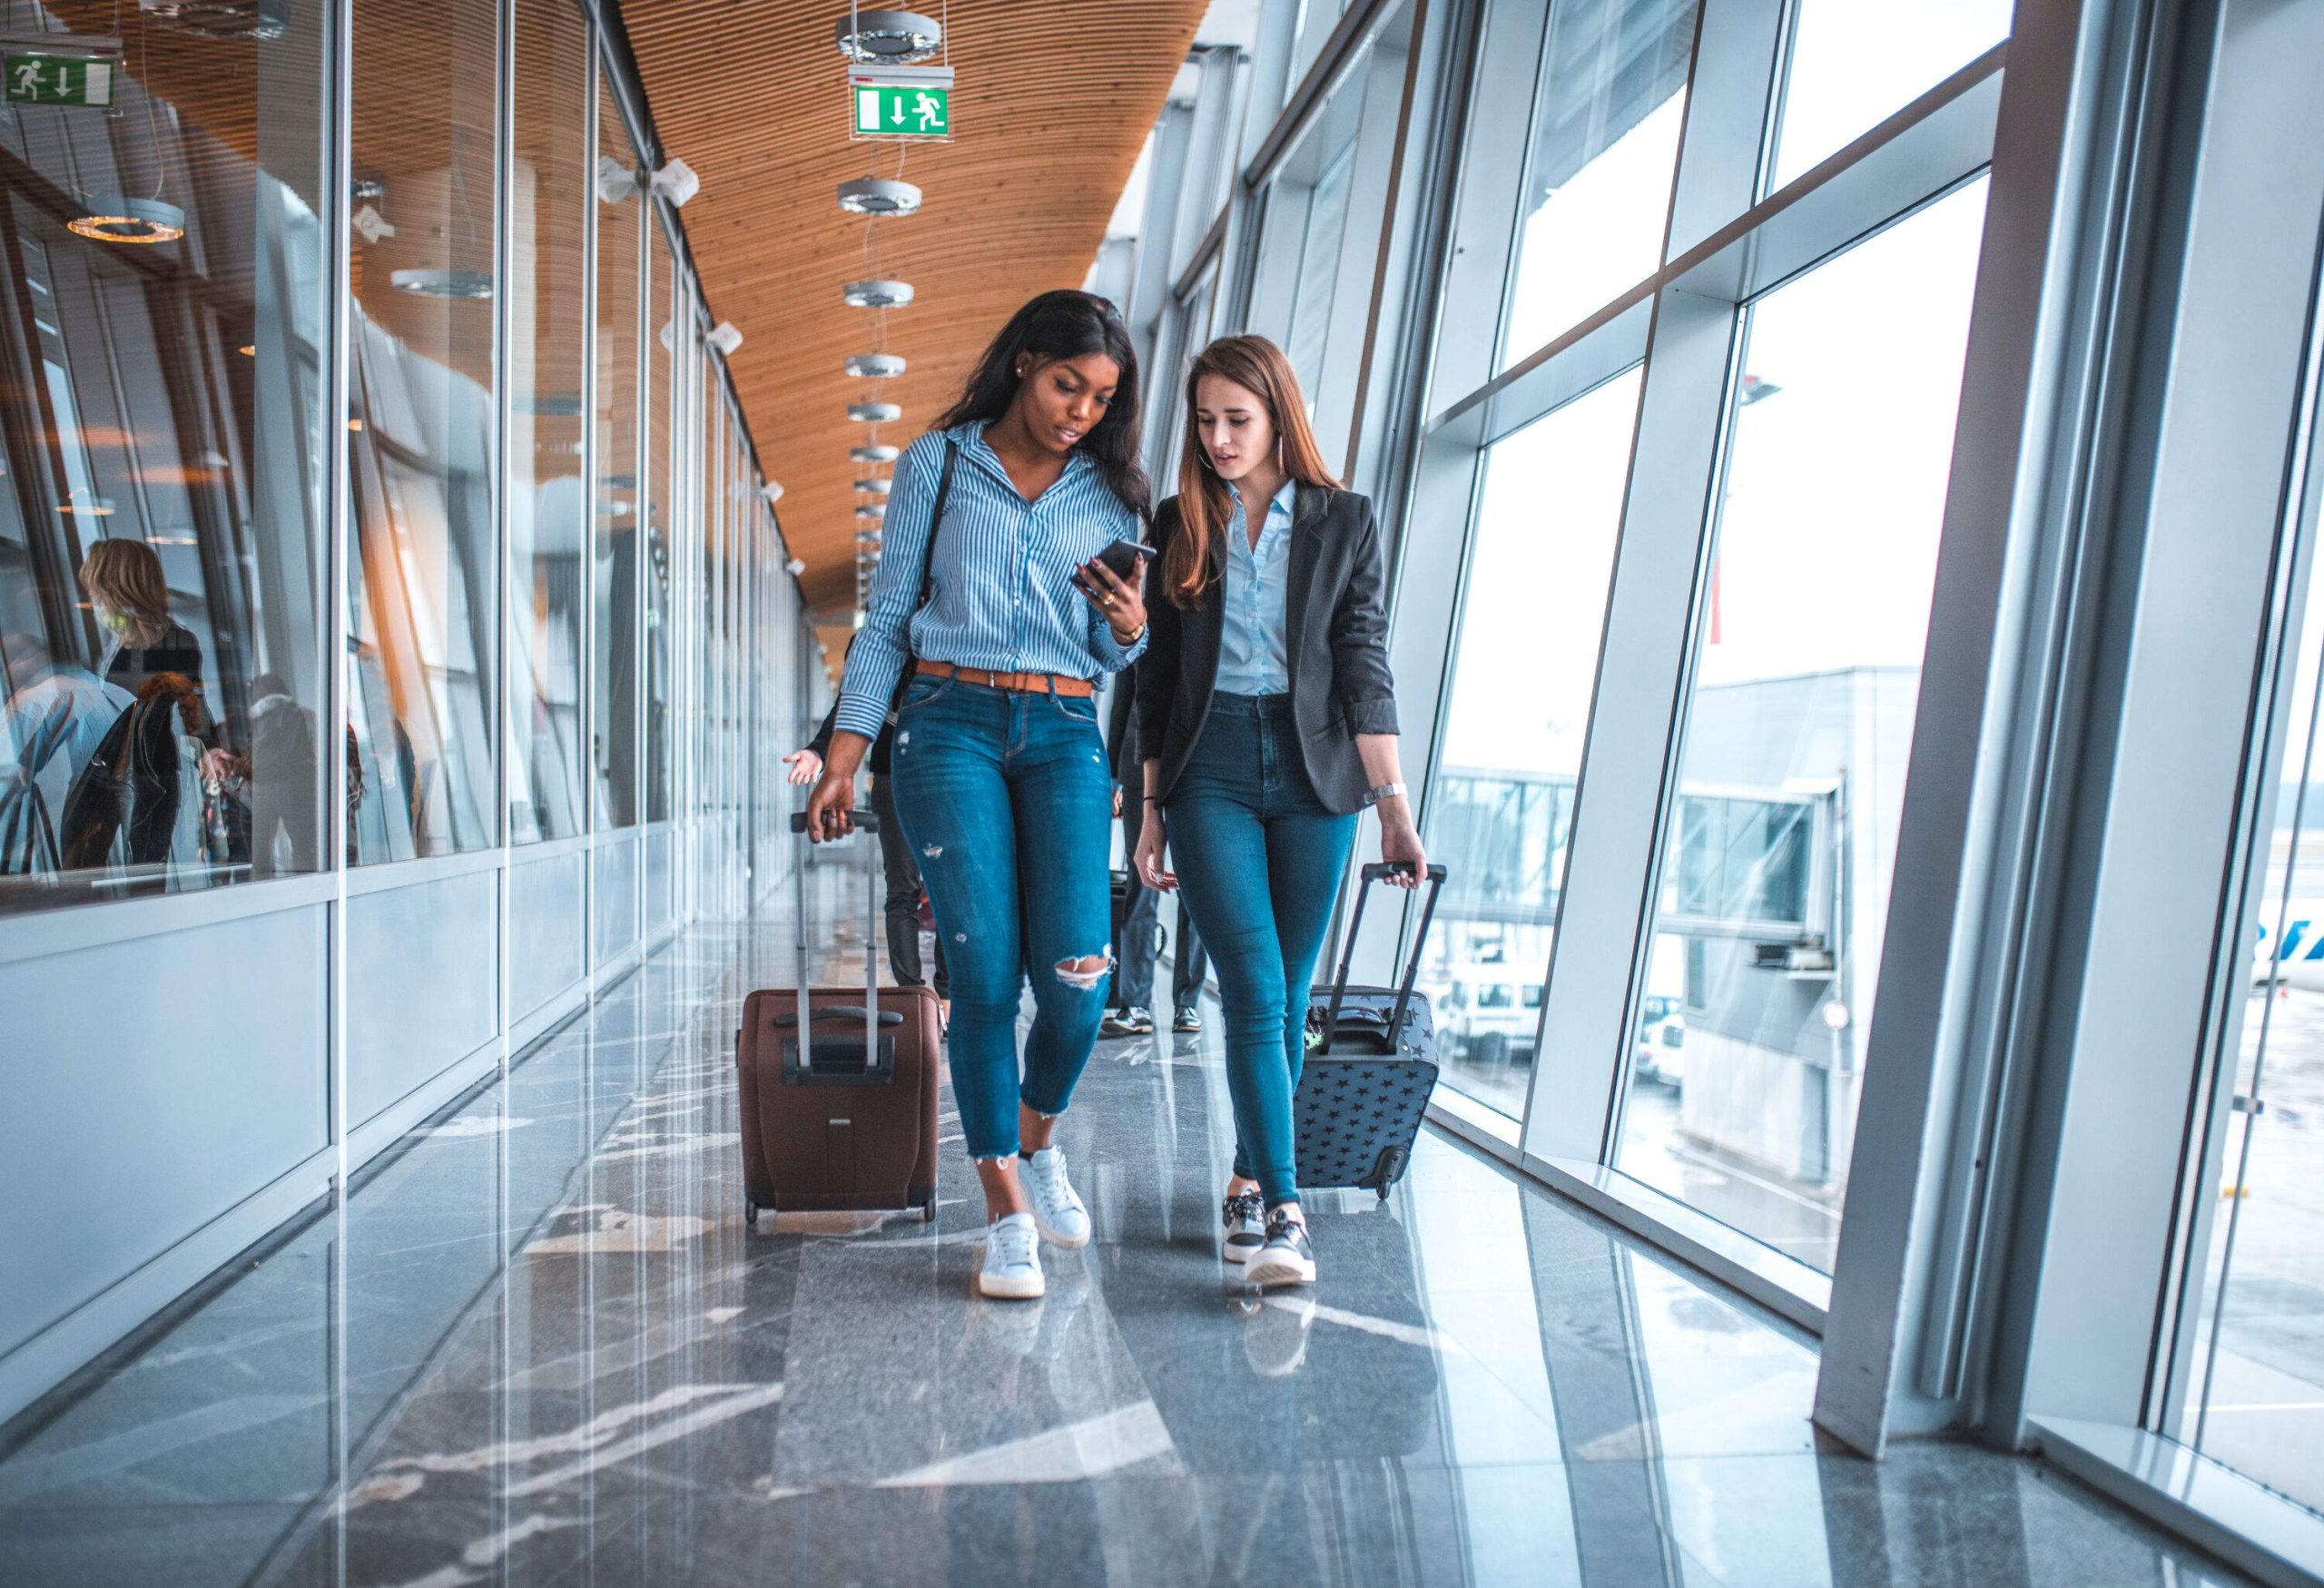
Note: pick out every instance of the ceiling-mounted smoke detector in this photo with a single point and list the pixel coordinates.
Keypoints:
(725, 337)
(878, 195)
(771, 492)
(876, 452)
(878, 485)
(616, 182)
(874, 413)
(677, 182)
(473, 286)
(888, 38)
(110, 218)
(877, 294)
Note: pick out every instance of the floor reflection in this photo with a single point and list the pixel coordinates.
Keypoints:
(538, 1344)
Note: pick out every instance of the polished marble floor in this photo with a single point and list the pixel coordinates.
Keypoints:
(536, 1344)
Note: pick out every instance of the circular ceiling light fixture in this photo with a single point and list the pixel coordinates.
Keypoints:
(888, 38)
(878, 195)
(874, 413)
(877, 452)
(873, 510)
(875, 366)
(110, 218)
(877, 294)
(879, 486)
(473, 286)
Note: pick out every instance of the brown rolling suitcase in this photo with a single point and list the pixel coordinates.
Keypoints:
(830, 1122)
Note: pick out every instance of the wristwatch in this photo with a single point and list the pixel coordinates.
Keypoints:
(1386, 791)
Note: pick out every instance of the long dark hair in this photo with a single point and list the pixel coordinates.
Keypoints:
(1066, 324)
(1196, 556)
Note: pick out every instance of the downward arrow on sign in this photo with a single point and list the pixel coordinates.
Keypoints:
(899, 117)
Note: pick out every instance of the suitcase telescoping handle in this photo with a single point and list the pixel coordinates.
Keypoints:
(869, 822)
(1371, 875)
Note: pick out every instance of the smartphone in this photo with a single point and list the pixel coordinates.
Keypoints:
(1122, 557)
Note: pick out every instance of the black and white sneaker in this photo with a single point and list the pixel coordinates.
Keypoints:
(1244, 1216)
(1187, 1021)
(1287, 1258)
(1131, 1022)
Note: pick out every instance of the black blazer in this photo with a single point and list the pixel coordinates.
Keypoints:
(1336, 646)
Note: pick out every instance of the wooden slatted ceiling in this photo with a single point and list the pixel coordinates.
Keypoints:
(1051, 102)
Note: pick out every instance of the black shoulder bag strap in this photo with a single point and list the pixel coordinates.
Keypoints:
(927, 564)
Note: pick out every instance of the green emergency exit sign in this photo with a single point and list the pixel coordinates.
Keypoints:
(883, 110)
(65, 80)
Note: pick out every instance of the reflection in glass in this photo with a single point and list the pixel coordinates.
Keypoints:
(670, 321)
(1854, 66)
(1748, 1057)
(1524, 667)
(2255, 1400)
(161, 468)
(547, 369)
(421, 589)
(1611, 95)
(613, 579)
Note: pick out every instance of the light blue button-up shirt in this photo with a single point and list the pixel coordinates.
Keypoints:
(1001, 595)
(1251, 644)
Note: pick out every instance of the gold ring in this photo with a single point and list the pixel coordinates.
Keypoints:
(1110, 600)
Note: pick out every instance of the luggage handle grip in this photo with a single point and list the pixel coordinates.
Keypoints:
(887, 1017)
(869, 821)
(1370, 874)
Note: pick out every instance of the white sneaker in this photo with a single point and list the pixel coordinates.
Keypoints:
(1287, 1258)
(1244, 1216)
(1057, 1206)
(1012, 1259)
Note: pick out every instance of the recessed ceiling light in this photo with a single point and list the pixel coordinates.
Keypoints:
(471, 286)
(875, 366)
(109, 218)
(878, 195)
(877, 294)
(888, 38)
(874, 413)
(877, 452)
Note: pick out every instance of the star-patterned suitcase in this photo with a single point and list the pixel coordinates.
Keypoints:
(1369, 1067)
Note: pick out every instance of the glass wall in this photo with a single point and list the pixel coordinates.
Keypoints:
(547, 375)
(1749, 1056)
(671, 320)
(1852, 65)
(1516, 714)
(620, 262)
(421, 592)
(162, 312)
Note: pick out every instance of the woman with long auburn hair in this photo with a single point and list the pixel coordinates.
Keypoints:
(1267, 722)
(990, 605)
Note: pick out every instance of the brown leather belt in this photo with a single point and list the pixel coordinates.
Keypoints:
(1016, 683)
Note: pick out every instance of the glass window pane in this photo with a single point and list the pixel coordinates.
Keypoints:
(613, 734)
(422, 597)
(670, 321)
(1748, 1056)
(1524, 668)
(2256, 1398)
(1611, 95)
(1853, 65)
(548, 366)
(161, 444)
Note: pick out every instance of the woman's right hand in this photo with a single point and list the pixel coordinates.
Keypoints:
(1151, 842)
(805, 765)
(828, 808)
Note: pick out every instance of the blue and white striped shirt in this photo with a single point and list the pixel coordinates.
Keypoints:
(1001, 595)
(1255, 605)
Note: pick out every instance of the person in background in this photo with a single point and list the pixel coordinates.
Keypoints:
(1138, 937)
(1267, 720)
(57, 714)
(124, 583)
(903, 872)
(996, 614)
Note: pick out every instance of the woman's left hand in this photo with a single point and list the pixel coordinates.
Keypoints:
(1400, 844)
(1116, 599)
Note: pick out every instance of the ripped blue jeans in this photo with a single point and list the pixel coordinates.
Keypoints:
(1008, 800)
